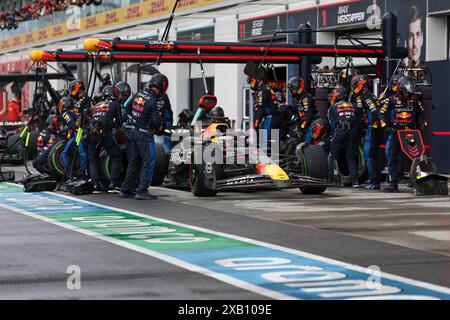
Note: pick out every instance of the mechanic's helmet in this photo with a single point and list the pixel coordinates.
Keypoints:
(319, 128)
(110, 92)
(281, 97)
(217, 113)
(124, 90)
(159, 81)
(406, 87)
(296, 85)
(52, 123)
(76, 89)
(393, 82)
(65, 104)
(338, 94)
(358, 83)
(98, 96)
(106, 78)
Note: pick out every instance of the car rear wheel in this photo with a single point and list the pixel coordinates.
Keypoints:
(161, 165)
(314, 163)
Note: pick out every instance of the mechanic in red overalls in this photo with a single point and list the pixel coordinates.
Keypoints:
(13, 110)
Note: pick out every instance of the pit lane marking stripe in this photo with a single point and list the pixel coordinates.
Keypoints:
(208, 272)
(174, 261)
(275, 247)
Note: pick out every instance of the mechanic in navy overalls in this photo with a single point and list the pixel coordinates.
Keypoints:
(143, 118)
(45, 142)
(399, 112)
(71, 112)
(305, 106)
(266, 114)
(370, 106)
(345, 122)
(104, 116)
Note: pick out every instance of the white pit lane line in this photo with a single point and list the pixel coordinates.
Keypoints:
(207, 272)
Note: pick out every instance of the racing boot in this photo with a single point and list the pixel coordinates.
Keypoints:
(124, 194)
(114, 186)
(99, 186)
(356, 185)
(392, 188)
(145, 196)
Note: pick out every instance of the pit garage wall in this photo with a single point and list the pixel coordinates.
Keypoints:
(441, 114)
(438, 38)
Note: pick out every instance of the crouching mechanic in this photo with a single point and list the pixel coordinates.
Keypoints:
(345, 122)
(45, 142)
(399, 112)
(143, 117)
(72, 121)
(104, 116)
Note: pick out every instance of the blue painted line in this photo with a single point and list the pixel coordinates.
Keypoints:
(290, 273)
(296, 270)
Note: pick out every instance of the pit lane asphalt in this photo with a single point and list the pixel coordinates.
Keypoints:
(411, 240)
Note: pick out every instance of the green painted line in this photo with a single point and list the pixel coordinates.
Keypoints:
(146, 232)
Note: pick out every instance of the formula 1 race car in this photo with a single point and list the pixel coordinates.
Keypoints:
(242, 167)
(216, 160)
(11, 149)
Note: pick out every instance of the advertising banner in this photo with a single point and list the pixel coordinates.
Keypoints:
(75, 25)
(352, 14)
(261, 27)
(411, 26)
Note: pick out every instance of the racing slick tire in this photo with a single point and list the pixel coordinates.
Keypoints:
(55, 164)
(199, 174)
(314, 161)
(105, 167)
(203, 177)
(161, 165)
(14, 146)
